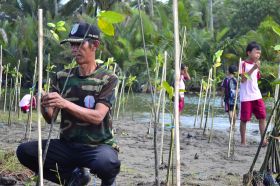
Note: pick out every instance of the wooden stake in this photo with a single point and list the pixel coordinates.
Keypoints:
(163, 109)
(213, 108)
(10, 102)
(232, 122)
(29, 119)
(40, 79)
(19, 89)
(121, 95)
(6, 86)
(198, 105)
(205, 99)
(276, 95)
(16, 87)
(208, 103)
(177, 79)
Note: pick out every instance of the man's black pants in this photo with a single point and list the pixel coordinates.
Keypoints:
(63, 157)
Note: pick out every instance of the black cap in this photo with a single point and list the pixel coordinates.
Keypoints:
(81, 31)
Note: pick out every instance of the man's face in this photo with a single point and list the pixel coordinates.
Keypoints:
(255, 54)
(82, 52)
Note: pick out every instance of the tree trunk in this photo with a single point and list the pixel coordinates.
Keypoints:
(152, 8)
(211, 26)
(55, 8)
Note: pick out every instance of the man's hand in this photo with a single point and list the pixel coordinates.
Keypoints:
(53, 99)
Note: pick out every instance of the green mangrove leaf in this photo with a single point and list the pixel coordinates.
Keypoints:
(277, 47)
(169, 89)
(217, 56)
(110, 61)
(276, 30)
(50, 68)
(271, 74)
(222, 33)
(217, 64)
(54, 35)
(52, 25)
(131, 79)
(204, 85)
(46, 87)
(276, 81)
(71, 65)
(60, 24)
(168, 124)
(160, 58)
(111, 17)
(105, 27)
(61, 29)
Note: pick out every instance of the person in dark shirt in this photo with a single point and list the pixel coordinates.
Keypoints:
(228, 92)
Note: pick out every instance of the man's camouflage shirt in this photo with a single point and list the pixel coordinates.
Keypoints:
(87, 91)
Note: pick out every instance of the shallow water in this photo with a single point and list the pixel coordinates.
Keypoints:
(140, 109)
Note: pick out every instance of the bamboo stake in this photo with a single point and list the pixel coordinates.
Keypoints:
(163, 109)
(19, 89)
(16, 86)
(1, 71)
(206, 93)
(177, 79)
(29, 119)
(170, 153)
(116, 92)
(160, 97)
(48, 73)
(183, 45)
(232, 122)
(209, 105)
(213, 108)
(120, 96)
(10, 102)
(116, 97)
(276, 94)
(198, 105)
(6, 86)
(272, 155)
(40, 74)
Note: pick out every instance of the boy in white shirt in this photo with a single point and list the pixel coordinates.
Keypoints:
(250, 95)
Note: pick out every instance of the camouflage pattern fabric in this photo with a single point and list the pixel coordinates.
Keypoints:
(87, 91)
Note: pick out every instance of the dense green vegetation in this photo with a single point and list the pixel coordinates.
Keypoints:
(235, 22)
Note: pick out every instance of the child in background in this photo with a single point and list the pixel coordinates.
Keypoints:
(184, 76)
(250, 95)
(229, 92)
(24, 103)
